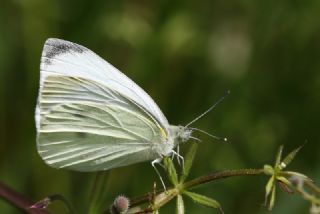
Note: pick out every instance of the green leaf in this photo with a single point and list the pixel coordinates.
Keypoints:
(180, 205)
(297, 174)
(287, 160)
(203, 200)
(284, 180)
(172, 173)
(273, 198)
(278, 157)
(189, 158)
(269, 186)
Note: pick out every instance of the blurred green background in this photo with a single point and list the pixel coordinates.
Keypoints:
(185, 54)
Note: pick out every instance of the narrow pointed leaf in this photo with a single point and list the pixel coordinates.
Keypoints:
(273, 198)
(278, 158)
(297, 174)
(189, 158)
(283, 180)
(269, 186)
(172, 173)
(287, 160)
(180, 205)
(203, 200)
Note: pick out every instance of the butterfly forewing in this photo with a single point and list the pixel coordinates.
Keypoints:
(65, 58)
(92, 117)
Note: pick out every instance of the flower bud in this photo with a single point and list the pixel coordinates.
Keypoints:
(120, 205)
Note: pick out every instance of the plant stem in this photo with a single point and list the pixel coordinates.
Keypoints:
(18, 200)
(98, 189)
(307, 196)
(202, 180)
(221, 175)
(313, 187)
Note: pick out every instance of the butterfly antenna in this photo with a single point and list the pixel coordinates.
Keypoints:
(223, 139)
(212, 107)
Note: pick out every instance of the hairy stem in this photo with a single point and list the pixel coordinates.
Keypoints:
(221, 175)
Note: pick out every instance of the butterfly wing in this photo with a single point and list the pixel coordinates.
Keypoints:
(89, 125)
(60, 57)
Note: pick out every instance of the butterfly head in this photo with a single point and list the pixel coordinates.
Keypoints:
(184, 134)
(181, 134)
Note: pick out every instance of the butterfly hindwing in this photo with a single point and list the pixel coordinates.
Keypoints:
(87, 127)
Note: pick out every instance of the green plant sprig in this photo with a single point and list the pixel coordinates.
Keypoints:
(289, 181)
(181, 188)
(293, 181)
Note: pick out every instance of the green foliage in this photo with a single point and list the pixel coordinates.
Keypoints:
(288, 181)
(287, 160)
(203, 200)
(188, 161)
(171, 170)
(283, 178)
(276, 173)
(179, 189)
(180, 205)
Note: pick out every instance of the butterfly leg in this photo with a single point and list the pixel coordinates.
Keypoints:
(174, 154)
(179, 157)
(196, 139)
(178, 152)
(158, 161)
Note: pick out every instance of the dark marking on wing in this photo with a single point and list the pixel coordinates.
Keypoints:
(81, 134)
(79, 115)
(55, 47)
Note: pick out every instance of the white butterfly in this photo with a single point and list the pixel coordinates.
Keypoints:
(91, 117)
